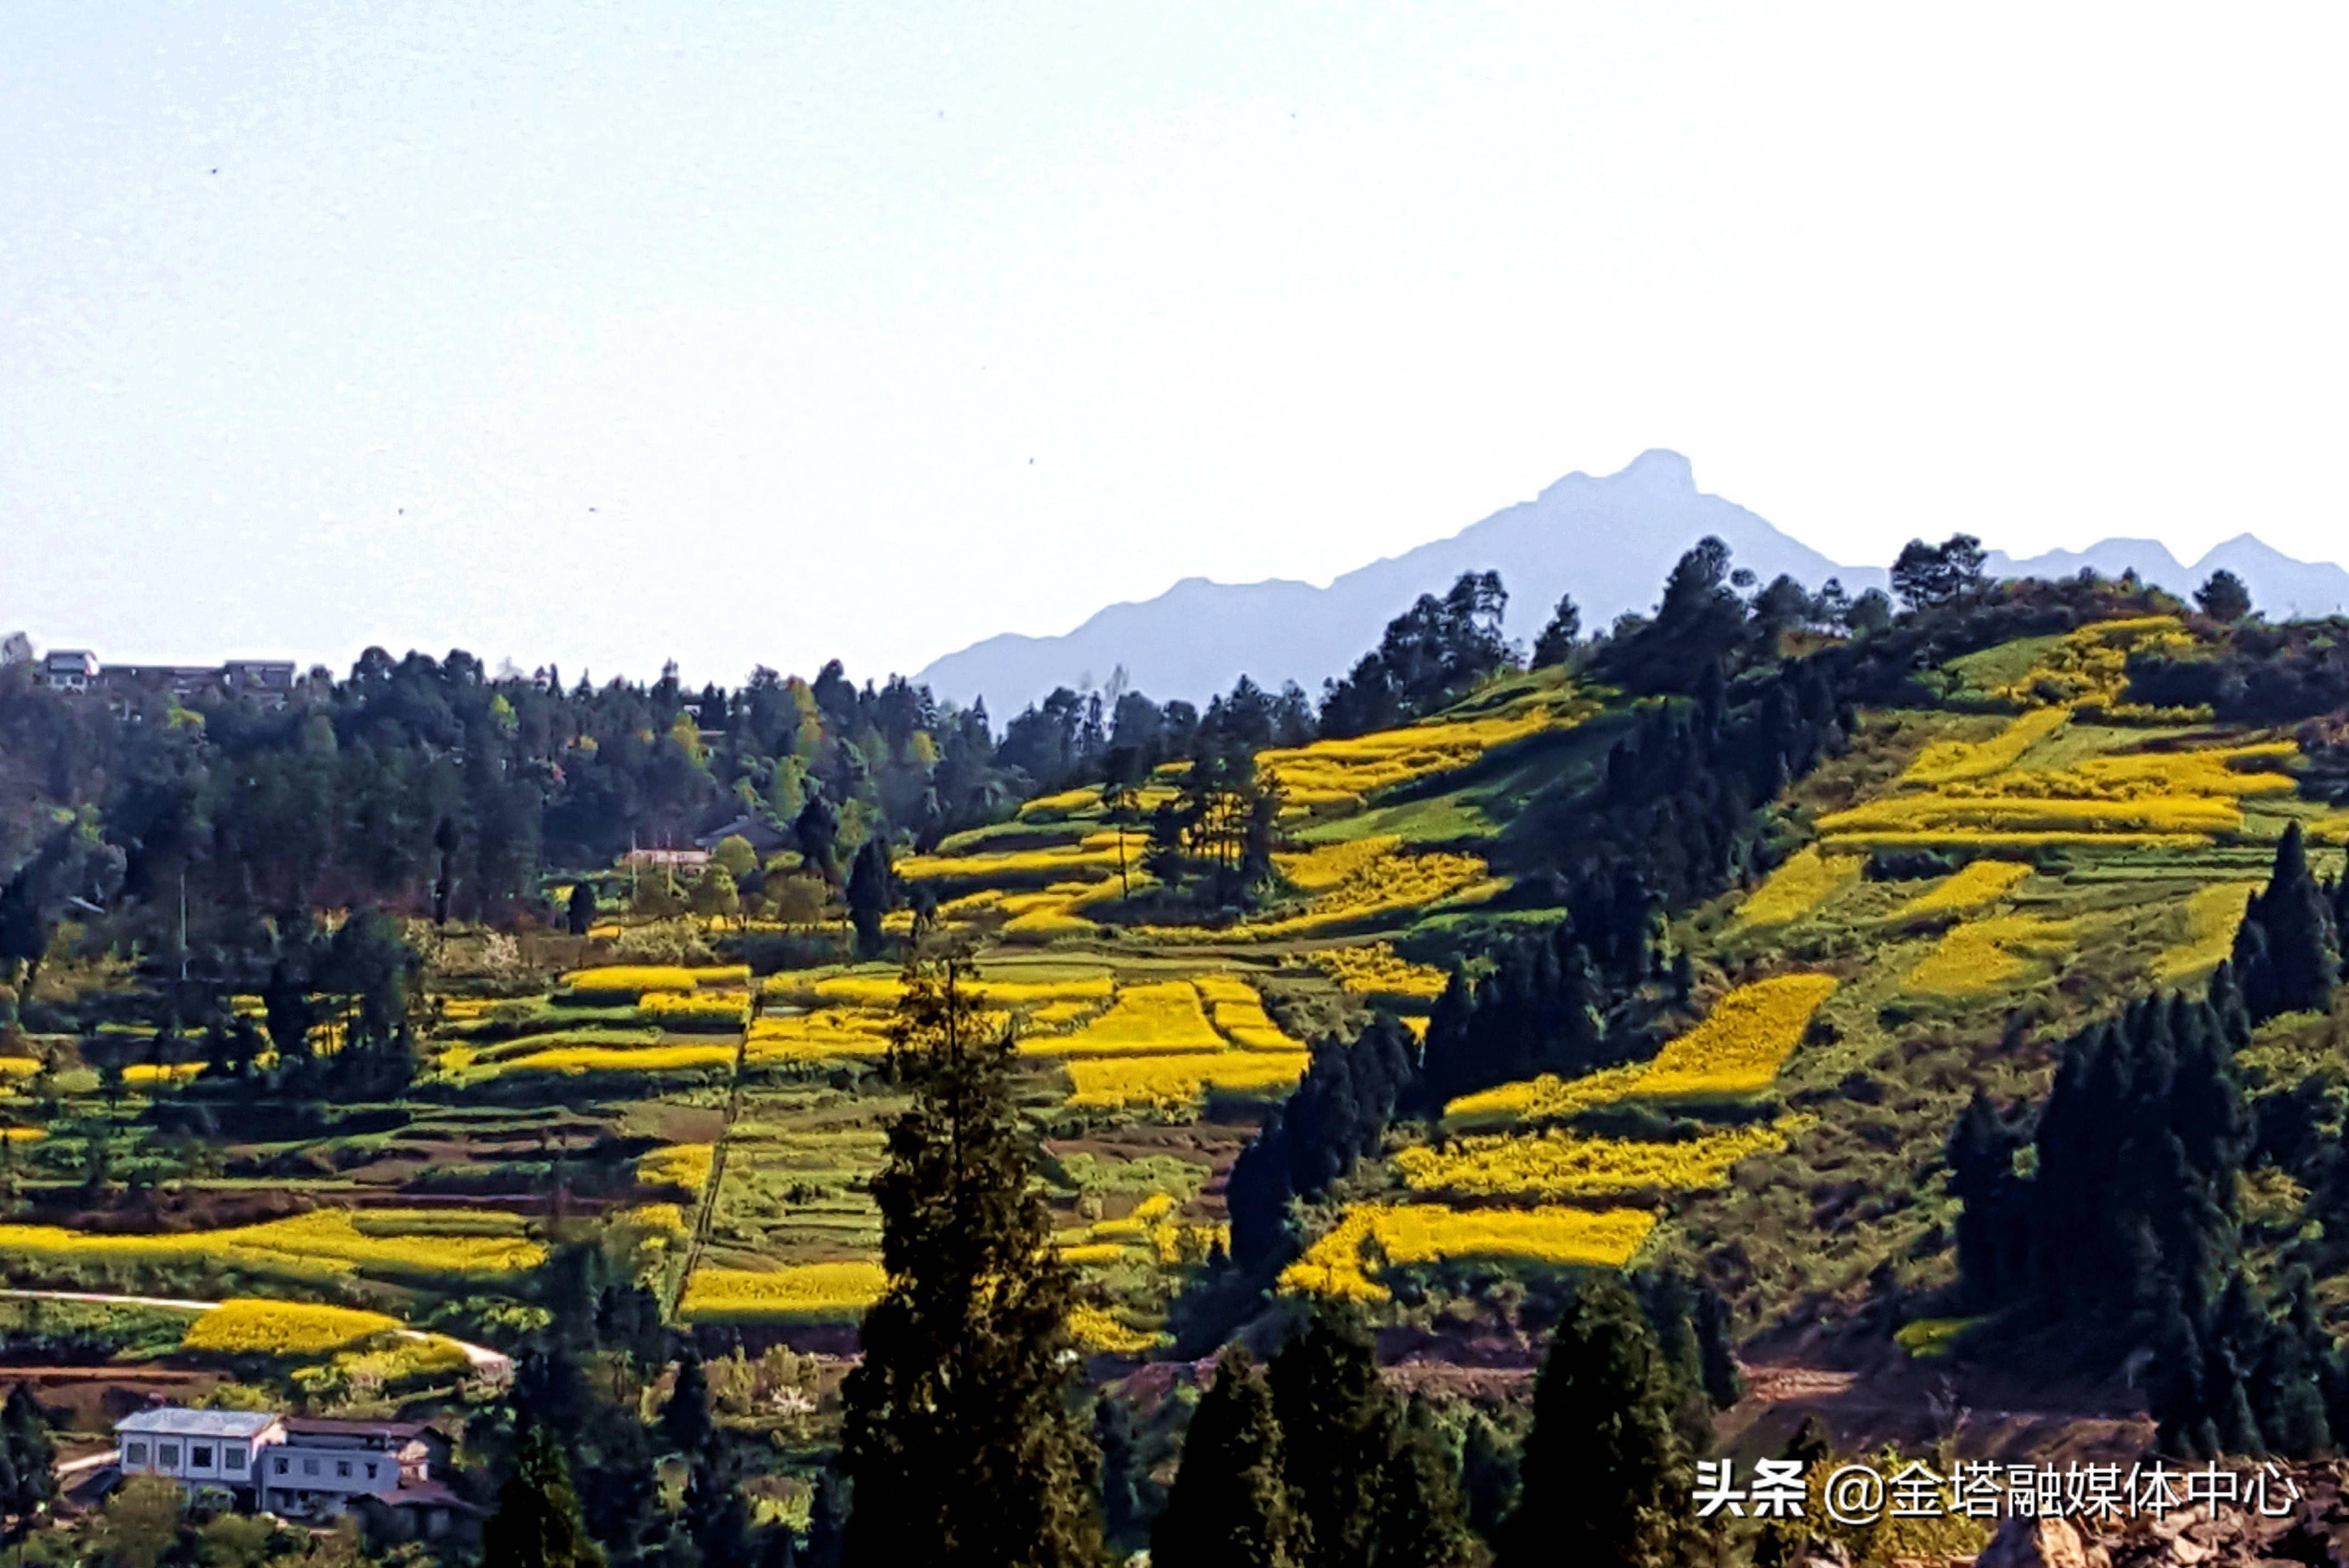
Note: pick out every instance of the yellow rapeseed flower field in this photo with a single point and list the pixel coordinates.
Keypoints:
(690, 1011)
(1159, 1018)
(1737, 1049)
(2091, 664)
(1179, 1082)
(1096, 855)
(1970, 885)
(1322, 869)
(1240, 1015)
(2212, 913)
(803, 1293)
(1984, 954)
(1561, 1165)
(1346, 772)
(1798, 886)
(1946, 761)
(1375, 970)
(573, 1060)
(1385, 1234)
(1393, 883)
(630, 980)
(685, 1165)
(248, 1326)
(813, 1036)
(318, 1245)
(1098, 1330)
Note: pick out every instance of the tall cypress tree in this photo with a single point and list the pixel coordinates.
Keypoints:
(959, 1436)
(686, 1425)
(536, 1524)
(1605, 1475)
(31, 1478)
(1423, 1517)
(1338, 1420)
(1124, 1478)
(1232, 1505)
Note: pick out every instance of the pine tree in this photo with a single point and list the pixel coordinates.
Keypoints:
(1231, 1503)
(579, 912)
(536, 1524)
(1606, 1476)
(959, 1439)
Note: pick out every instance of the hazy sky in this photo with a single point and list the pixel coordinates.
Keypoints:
(751, 334)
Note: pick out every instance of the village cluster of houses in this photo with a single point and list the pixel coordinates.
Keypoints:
(269, 682)
(293, 1466)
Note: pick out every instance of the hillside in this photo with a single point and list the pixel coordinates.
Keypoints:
(1774, 994)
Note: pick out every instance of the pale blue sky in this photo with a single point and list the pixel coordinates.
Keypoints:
(870, 331)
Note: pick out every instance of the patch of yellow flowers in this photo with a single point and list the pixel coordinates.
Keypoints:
(803, 1293)
(1984, 954)
(1375, 970)
(1560, 1164)
(1737, 1049)
(248, 1326)
(1797, 887)
(1371, 1236)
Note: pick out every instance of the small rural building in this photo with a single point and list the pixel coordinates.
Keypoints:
(69, 669)
(296, 1466)
(200, 1450)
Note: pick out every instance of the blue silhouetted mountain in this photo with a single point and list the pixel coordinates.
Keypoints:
(1609, 541)
(2281, 588)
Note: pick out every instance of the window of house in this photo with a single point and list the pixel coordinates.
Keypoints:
(167, 1455)
(201, 1455)
(232, 1458)
(370, 1470)
(134, 1453)
(343, 1468)
(309, 1467)
(284, 1465)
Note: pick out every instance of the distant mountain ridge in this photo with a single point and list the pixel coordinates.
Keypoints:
(1609, 541)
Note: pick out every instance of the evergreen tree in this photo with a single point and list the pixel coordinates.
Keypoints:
(2286, 954)
(1231, 1505)
(30, 1483)
(960, 1438)
(1558, 639)
(537, 1524)
(2223, 597)
(869, 896)
(716, 1511)
(1125, 1476)
(828, 1516)
(1423, 1517)
(686, 1426)
(1337, 1424)
(1606, 1476)
(579, 911)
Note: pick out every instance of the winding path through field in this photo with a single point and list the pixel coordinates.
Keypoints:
(495, 1365)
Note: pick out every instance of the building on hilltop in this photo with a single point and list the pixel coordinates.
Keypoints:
(268, 682)
(295, 1467)
(69, 669)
